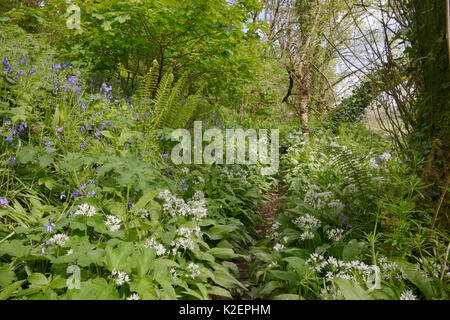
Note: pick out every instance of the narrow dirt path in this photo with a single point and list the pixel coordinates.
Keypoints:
(268, 210)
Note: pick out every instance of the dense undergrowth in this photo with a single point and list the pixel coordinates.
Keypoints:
(92, 208)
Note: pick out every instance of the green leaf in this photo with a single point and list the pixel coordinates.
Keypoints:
(220, 232)
(95, 289)
(284, 275)
(123, 18)
(27, 154)
(38, 280)
(6, 276)
(351, 250)
(145, 288)
(144, 257)
(351, 290)
(9, 291)
(223, 253)
(218, 291)
(162, 276)
(106, 25)
(45, 160)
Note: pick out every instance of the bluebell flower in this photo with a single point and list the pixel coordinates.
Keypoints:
(50, 225)
(12, 160)
(63, 195)
(9, 139)
(83, 145)
(3, 202)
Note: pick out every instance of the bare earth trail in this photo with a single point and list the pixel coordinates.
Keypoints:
(268, 209)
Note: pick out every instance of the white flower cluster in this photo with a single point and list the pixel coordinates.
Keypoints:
(85, 210)
(59, 239)
(335, 268)
(143, 213)
(318, 200)
(391, 269)
(278, 247)
(134, 296)
(307, 235)
(174, 274)
(184, 241)
(431, 269)
(152, 243)
(407, 295)
(196, 207)
(335, 234)
(331, 293)
(194, 270)
(307, 222)
(121, 277)
(113, 223)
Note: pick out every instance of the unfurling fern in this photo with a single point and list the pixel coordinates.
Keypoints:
(169, 107)
(352, 168)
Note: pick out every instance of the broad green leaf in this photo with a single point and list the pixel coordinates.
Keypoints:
(352, 290)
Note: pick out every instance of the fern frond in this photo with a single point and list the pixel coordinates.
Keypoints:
(352, 169)
(162, 100)
(149, 85)
(187, 109)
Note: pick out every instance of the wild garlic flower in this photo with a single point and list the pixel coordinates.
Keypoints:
(174, 274)
(59, 239)
(307, 235)
(134, 296)
(335, 234)
(152, 243)
(121, 277)
(196, 207)
(113, 223)
(194, 270)
(85, 210)
(407, 295)
(278, 247)
(307, 222)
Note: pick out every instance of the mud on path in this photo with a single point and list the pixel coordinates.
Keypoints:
(268, 209)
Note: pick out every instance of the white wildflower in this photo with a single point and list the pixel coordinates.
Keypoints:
(113, 223)
(407, 295)
(134, 296)
(85, 210)
(121, 277)
(160, 249)
(59, 239)
(194, 269)
(335, 234)
(278, 247)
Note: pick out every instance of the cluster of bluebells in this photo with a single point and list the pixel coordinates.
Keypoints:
(81, 193)
(14, 129)
(3, 202)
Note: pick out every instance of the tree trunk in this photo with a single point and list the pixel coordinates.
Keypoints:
(304, 102)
